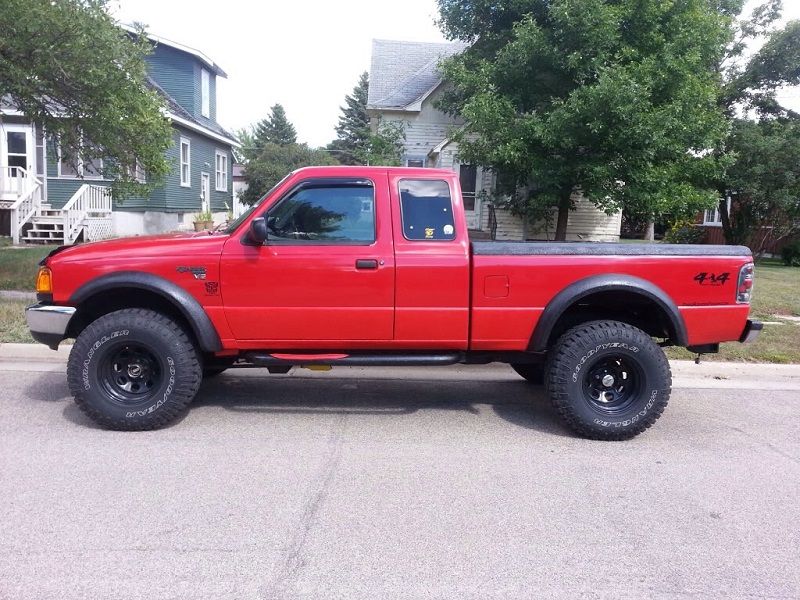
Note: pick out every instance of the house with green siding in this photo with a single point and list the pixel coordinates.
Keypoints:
(45, 199)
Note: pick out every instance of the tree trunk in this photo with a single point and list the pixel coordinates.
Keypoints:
(650, 231)
(725, 218)
(563, 215)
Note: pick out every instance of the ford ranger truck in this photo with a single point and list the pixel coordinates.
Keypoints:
(372, 266)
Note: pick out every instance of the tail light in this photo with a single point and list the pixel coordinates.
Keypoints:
(744, 289)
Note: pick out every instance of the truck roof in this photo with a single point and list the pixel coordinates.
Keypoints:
(328, 170)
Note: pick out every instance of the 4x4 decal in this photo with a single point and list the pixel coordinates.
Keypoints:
(711, 278)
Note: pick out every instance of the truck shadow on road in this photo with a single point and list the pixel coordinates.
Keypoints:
(518, 403)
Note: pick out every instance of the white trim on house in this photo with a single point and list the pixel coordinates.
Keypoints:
(205, 93)
(712, 216)
(199, 128)
(185, 181)
(220, 171)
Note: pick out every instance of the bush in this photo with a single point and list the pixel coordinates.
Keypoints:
(684, 231)
(790, 254)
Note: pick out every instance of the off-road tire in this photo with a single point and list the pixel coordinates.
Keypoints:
(533, 373)
(114, 350)
(588, 353)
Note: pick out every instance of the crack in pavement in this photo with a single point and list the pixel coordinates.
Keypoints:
(284, 584)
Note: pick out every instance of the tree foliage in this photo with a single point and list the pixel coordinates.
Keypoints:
(765, 182)
(617, 99)
(271, 162)
(353, 129)
(68, 67)
(274, 129)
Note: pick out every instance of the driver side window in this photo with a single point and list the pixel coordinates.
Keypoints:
(325, 213)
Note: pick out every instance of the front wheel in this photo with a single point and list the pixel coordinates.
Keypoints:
(133, 369)
(608, 380)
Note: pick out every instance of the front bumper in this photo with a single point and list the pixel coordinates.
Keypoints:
(751, 331)
(49, 323)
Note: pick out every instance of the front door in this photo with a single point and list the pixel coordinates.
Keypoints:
(205, 192)
(16, 159)
(325, 276)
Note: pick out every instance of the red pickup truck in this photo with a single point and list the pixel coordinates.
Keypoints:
(373, 266)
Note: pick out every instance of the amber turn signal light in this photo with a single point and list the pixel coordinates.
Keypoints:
(44, 281)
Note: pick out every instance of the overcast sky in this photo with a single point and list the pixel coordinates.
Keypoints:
(305, 54)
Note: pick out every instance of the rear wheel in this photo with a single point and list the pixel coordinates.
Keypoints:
(534, 373)
(608, 380)
(133, 369)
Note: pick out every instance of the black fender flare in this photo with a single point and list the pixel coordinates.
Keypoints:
(605, 283)
(204, 330)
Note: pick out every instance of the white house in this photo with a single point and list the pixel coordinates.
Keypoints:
(404, 84)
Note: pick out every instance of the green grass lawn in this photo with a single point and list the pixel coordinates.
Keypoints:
(12, 321)
(18, 266)
(777, 292)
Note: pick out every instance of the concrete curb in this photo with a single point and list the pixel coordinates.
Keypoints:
(17, 295)
(685, 373)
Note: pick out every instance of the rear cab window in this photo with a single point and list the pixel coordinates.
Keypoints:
(426, 209)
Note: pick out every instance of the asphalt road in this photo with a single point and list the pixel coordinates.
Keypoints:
(387, 484)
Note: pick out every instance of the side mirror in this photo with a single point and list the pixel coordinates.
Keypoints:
(258, 230)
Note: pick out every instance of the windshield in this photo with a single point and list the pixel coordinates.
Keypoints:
(238, 221)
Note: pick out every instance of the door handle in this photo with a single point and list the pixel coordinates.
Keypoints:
(366, 263)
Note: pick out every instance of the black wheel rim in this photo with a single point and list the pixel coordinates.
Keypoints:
(612, 383)
(130, 373)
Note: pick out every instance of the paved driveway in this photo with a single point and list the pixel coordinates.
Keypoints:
(396, 484)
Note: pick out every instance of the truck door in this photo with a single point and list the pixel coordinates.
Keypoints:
(326, 271)
(432, 261)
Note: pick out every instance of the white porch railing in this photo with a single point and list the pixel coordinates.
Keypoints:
(27, 193)
(88, 208)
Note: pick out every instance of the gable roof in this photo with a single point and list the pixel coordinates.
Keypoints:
(402, 74)
(183, 117)
(188, 50)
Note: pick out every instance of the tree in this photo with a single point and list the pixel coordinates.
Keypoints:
(764, 139)
(353, 130)
(68, 67)
(385, 146)
(247, 139)
(766, 182)
(275, 129)
(273, 161)
(616, 99)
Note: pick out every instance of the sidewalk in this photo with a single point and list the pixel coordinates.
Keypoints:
(685, 373)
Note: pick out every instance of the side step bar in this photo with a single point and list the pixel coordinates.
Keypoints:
(366, 359)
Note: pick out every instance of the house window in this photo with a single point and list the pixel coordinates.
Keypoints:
(205, 93)
(426, 210)
(136, 172)
(415, 162)
(83, 165)
(185, 157)
(468, 177)
(712, 216)
(221, 171)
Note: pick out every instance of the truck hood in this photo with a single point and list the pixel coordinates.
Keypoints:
(171, 244)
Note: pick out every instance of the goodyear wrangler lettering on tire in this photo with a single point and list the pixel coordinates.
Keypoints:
(167, 392)
(134, 369)
(608, 380)
(596, 350)
(93, 349)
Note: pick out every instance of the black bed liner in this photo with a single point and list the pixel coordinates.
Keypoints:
(604, 249)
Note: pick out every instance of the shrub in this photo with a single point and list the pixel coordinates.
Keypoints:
(684, 231)
(790, 254)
